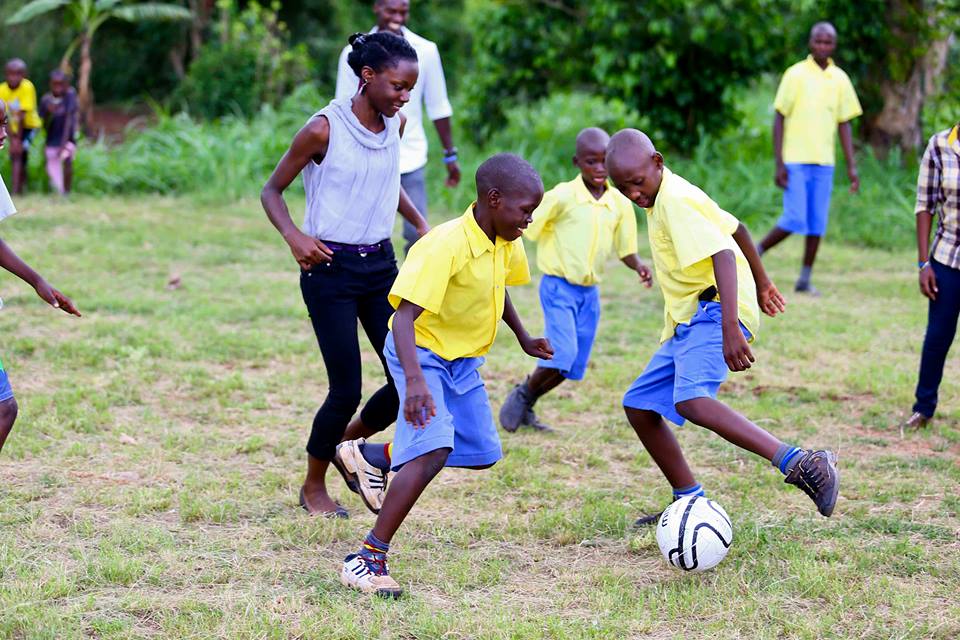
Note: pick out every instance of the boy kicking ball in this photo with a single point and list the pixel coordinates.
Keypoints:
(450, 296)
(714, 286)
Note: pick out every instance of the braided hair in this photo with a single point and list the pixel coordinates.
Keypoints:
(378, 51)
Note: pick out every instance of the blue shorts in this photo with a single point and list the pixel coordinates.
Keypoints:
(571, 313)
(689, 365)
(464, 421)
(6, 391)
(806, 200)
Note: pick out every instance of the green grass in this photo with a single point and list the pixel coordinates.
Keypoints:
(149, 488)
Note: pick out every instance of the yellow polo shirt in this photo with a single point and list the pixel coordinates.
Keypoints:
(575, 232)
(23, 98)
(459, 277)
(686, 228)
(813, 101)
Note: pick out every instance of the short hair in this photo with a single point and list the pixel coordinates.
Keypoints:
(16, 63)
(378, 51)
(821, 26)
(58, 75)
(507, 172)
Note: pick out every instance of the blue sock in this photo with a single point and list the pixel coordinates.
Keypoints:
(692, 490)
(376, 454)
(805, 273)
(786, 458)
(374, 551)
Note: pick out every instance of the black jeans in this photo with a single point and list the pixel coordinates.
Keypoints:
(941, 327)
(337, 294)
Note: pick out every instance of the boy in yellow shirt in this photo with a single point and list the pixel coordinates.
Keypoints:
(450, 296)
(714, 286)
(577, 226)
(814, 101)
(20, 96)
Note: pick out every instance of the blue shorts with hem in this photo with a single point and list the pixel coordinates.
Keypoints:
(464, 420)
(571, 314)
(806, 200)
(689, 365)
(6, 391)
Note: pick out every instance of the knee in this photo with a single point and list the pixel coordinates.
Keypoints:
(689, 410)
(344, 398)
(8, 413)
(434, 461)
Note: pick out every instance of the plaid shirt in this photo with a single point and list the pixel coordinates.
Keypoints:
(938, 192)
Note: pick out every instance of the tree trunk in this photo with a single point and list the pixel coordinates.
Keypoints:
(85, 93)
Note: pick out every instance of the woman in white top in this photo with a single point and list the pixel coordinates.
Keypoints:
(349, 155)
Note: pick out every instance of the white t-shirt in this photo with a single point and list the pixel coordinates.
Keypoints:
(431, 89)
(6, 204)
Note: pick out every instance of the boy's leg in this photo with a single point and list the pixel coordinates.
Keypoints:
(941, 329)
(8, 415)
(54, 168)
(68, 175)
(405, 489)
(794, 217)
(819, 188)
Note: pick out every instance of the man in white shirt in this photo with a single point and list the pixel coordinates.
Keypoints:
(430, 90)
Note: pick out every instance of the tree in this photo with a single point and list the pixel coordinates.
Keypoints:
(84, 17)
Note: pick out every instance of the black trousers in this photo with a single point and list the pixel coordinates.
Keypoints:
(941, 328)
(352, 288)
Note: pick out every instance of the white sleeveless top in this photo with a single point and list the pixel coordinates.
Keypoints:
(353, 194)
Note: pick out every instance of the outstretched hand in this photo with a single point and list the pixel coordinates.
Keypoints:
(538, 348)
(770, 299)
(56, 299)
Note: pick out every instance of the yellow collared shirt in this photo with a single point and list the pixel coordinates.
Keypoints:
(813, 101)
(686, 228)
(459, 278)
(23, 98)
(575, 233)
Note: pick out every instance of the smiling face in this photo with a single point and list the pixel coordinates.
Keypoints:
(513, 208)
(389, 89)
(391, 15)
(637, 173)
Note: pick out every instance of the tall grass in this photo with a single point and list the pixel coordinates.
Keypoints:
(231, 158)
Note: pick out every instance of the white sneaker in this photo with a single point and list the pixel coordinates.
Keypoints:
(361, 476)
(366, 576)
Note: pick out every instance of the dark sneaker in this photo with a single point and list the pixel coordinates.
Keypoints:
(916, 421)
(531, 420)
(515, 407)
(369, 575)
(647, 520)
(816, 474)
(808, 289)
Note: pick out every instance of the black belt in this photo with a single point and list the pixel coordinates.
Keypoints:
(359, 249)
(708, 295)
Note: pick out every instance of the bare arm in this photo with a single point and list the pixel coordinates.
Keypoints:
(846, 141)
(310, 143)
(418, 406)
(736, 351)
(12, 263)
(445, 133)
(928, 280)
(634, 262)
(536, 347)
(780, 177)
(409, 211)
(769, 297)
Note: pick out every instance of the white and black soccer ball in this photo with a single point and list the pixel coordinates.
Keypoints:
(694, 533)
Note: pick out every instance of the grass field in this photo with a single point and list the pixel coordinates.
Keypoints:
(149, 488)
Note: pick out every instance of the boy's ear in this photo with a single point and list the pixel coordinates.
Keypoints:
(494, 198)
(576, 162)
(658, 158)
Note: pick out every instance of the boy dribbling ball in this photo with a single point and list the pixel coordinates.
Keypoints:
(714, 286)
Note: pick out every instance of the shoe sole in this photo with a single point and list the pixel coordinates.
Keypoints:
(832, 459)
(393, 594)
(348, 452)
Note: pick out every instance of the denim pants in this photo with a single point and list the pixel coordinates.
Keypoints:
(941, 327)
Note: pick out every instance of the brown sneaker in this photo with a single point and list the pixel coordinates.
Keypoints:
(916, 421)
(369, 576)
(817, 476)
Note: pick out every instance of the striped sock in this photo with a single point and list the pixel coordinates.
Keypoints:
(377, 454)
(692, 490)
(786, 458)
(374, 551)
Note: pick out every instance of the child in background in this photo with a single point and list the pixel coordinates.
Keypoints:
(577, 226)
(59, 112)
(20, 96)
(714, 286)
(450, 296)
(12, 263)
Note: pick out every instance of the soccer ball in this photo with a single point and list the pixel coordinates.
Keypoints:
(694, 534)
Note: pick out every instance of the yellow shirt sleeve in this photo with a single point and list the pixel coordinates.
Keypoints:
(849, 107)
(786, 94)
(625, 237)
(518, 270)
(543, 215)
(698, 229)
(28, 98)
(423, 277)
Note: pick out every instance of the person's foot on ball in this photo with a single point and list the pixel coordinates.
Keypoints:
(817, 476)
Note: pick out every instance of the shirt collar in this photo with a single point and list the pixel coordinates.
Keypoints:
(953, 136)
(583, 195)
(814, 62)
(477, 240)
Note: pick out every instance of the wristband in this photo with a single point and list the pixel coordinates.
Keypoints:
(450, 159)
(923, 264)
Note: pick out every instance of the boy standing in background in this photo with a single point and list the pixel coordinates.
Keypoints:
(59, 112)
(20, 97)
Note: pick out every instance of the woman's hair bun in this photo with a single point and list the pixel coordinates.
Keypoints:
(357, 40)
